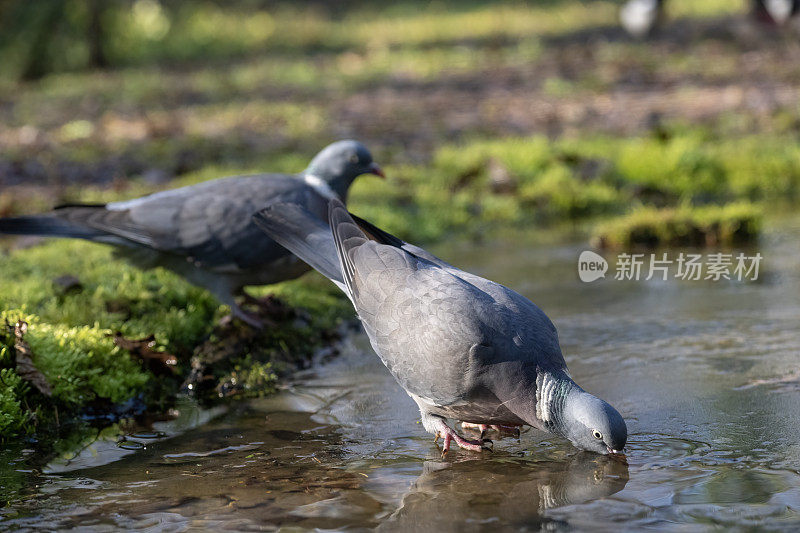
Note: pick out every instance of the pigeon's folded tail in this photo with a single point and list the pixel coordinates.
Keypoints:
(46, 225)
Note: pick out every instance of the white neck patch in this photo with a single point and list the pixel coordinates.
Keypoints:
(545, 388)
(321, 186)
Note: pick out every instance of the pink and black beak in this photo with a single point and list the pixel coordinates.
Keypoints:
(375, 169)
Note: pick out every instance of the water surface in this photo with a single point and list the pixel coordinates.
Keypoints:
(705, 373)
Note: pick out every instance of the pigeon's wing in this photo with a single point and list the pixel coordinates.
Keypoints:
(303, 233)
(501, 293)
(436, 332)
(537, 328)
(210, 222)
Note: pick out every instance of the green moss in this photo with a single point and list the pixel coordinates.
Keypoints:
(574, 179)
(81, 364)
(324, 302)
(70, 332)
(250, 378)
(13, 417)
(728, 225)
(114, 295)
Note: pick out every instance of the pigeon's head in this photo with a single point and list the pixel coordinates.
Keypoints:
(592, 424)
(342, 162)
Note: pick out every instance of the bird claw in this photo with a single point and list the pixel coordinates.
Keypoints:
(504, 431)
(449, 435)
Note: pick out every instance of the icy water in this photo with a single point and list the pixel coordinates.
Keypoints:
(707, 374)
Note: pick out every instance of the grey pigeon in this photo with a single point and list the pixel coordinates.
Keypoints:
(205, 232)
(462, 347)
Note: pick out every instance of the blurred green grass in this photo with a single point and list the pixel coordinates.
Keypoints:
(149, 31)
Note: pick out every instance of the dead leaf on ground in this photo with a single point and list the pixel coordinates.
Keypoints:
(24, 358)
(143, 349)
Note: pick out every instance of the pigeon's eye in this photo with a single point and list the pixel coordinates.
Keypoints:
(354, 158)
(597, 434)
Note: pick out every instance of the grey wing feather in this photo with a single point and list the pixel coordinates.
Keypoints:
(100, 219)
(347, 237)
(422, 321)
(209, 222)
(304, 234)
(510, 299)
(416, 314)
(383, 237)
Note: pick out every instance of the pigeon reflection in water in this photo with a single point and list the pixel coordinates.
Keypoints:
(514, 492)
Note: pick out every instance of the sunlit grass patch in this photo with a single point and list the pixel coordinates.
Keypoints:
(149, 31)
(113, 295)
(727, 225)
(81, 364)
(71, 331)
(524, 181)
(692, 8)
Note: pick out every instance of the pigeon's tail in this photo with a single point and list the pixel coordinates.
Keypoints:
(46, 225)
(301, 232)
(347, 235)
(93, 222)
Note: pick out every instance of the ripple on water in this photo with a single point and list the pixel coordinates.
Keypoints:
(688, 481)
(736, 515)
(127, 444)
(148, 435)
(740, 485)
(655, 451)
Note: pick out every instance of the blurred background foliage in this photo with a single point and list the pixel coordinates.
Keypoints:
(57, 35)
(510, 112)
(44, 36)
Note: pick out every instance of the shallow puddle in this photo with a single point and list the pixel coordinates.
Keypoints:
(706, 373)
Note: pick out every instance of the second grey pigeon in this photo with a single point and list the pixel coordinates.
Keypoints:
(205, 232)
(463, 347)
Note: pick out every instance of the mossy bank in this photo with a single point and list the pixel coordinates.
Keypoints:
(108, 338)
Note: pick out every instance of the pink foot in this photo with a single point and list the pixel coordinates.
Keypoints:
(483, 428)
(448, 434)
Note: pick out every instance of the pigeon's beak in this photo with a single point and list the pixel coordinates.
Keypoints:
(612, 451)
(375, 169)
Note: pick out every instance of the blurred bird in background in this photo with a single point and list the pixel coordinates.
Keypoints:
(204, 232)
(641, 17)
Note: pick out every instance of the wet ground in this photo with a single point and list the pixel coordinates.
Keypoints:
(706, 373)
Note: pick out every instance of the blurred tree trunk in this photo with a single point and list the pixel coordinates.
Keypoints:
(37, 62)
(96, 34)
